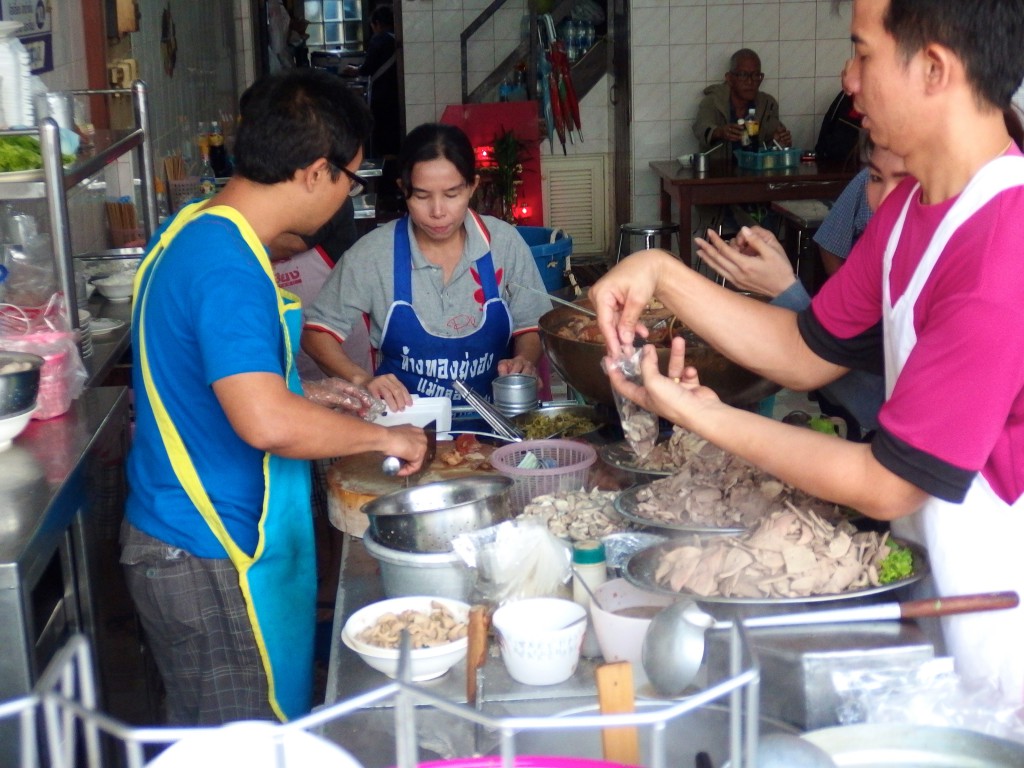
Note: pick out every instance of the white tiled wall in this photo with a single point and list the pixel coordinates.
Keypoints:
(680, 46)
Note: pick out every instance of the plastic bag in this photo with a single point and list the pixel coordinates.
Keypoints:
(31, 279)
(516, 559)
(344, 396)
(925, 693)
(639, 425)
(45, 331)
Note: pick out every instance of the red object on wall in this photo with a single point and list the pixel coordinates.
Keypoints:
(483, 123)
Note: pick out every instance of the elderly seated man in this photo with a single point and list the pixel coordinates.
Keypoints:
(725, 103)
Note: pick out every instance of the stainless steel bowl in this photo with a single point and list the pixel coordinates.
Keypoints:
(19, 387)
(425, 518)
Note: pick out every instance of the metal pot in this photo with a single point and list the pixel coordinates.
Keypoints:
(426, 518)
(18, 388)
(579, 363)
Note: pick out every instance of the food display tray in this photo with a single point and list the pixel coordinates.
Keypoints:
(621, 456)
(642, 566)
(626, 505)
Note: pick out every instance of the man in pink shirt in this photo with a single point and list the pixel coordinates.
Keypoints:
(931, 294)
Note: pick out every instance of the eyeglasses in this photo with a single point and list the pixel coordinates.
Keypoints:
(356, 184)
(756, 77)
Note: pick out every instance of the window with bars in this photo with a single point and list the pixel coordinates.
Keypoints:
(333, 24)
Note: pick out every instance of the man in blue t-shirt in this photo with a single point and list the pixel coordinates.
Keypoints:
(218, 546)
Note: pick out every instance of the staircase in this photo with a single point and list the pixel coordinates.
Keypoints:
(586, 71)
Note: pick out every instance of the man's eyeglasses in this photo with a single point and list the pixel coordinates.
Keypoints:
(756, 77)
(357, 185)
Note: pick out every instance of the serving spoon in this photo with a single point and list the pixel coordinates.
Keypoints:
(673, 647)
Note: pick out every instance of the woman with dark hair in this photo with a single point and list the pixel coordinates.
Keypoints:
(432, 287)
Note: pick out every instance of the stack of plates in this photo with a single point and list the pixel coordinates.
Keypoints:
(16, 76)
(85, 333)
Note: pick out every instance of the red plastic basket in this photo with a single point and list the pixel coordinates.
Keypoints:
(563, 466)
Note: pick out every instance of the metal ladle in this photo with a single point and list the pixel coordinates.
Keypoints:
(673, 647)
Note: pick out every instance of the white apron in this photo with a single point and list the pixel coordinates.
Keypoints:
(974, 546)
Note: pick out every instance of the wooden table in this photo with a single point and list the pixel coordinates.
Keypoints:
(725, 183)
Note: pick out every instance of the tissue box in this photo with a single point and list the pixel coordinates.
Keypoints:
(797, 663)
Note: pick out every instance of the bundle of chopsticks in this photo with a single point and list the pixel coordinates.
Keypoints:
(496, 419)
(174, 168)
(122, 216)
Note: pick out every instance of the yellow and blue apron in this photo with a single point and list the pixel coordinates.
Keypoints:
(278, 581)
(426, 363)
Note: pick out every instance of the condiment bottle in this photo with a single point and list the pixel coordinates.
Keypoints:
(588, 564)
(753, 127)
(744, 137)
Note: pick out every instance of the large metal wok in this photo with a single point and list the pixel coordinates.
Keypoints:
(579, 363)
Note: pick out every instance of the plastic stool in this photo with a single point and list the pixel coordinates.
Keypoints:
(650, 233)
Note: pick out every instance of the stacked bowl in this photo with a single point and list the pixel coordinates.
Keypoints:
(19, 388)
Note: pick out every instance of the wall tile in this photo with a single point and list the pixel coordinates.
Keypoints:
(688, 63)
(688, 25)
(419, 88)
(830, 55)
(725, 23)
(651, 140)
(652, 64)
(832, 24)
(417, 27)
(447, 58)
(448, 26)
(651, 101)
(797, 21)
(650, 26)
(761, 22)
(797, 58)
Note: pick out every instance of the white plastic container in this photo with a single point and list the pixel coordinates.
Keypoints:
(540, 638)
(621, 637)
(422, 411)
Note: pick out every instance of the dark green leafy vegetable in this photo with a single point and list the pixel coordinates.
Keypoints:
(21, 153)
(897, 565)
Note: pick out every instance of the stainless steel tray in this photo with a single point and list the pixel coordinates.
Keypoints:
(626, 505)
(641, 568)
(919, 746)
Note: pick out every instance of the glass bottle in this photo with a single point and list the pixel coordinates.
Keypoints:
(218, 152)
(207, 178)
(753, 126)
(744, 137)
(588, 564)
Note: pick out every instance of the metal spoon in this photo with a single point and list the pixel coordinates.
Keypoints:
(673, 647)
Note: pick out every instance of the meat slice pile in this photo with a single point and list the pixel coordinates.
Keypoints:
(790, 553)
(716, 489)
(578, 515)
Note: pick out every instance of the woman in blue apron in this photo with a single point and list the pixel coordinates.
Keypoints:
(438, 289)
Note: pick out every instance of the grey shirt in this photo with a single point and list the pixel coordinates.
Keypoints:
(363, 284)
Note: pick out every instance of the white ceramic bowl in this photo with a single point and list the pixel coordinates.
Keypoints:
(117, 287)
(13, 425)
(540, 638)
(426, 663)
(620, 636)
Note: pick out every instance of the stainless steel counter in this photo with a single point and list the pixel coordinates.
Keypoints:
(61, 500)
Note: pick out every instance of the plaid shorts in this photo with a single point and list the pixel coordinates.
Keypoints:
(198, 631)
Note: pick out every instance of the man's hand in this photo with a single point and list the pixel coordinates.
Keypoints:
(409, 444)
(753, 261)
(389, 389)
(783, 136)
(729, 132)
(516, 365)
(621, 296)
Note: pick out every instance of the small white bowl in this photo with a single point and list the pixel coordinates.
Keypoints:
(13, 425)
(540, 638)
(621, 636)
(426, 663)
(116, 288)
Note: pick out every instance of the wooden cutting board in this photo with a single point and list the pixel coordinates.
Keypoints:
(354, 480)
